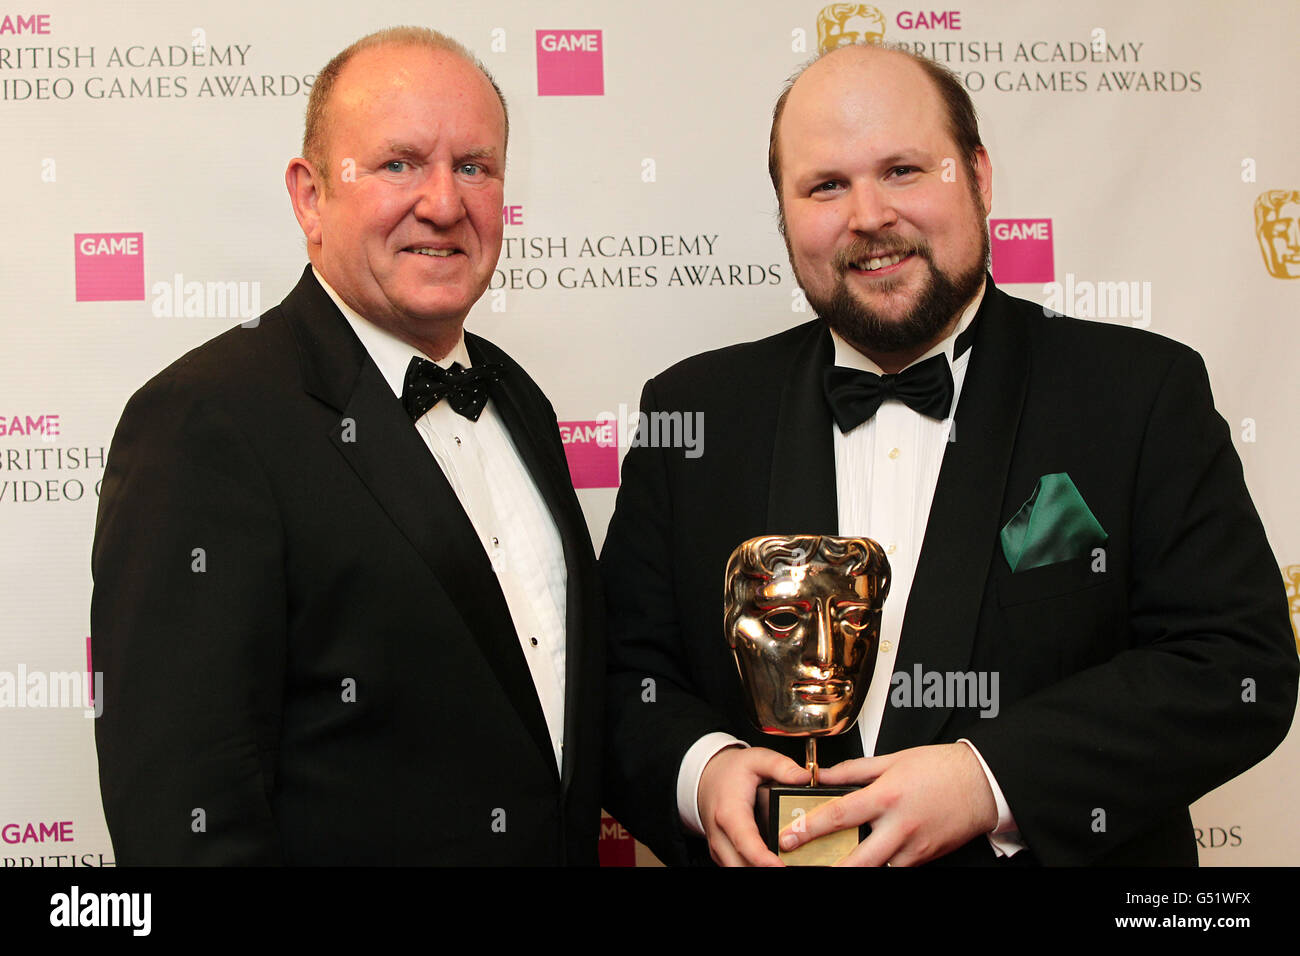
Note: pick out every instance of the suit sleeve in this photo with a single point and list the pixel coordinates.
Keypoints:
(653, 707)
(1205, 685)
(188, 628)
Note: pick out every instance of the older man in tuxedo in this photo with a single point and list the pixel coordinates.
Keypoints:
(345, 600)
(1061, 506)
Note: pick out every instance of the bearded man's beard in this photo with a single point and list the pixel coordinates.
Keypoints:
(868, 330)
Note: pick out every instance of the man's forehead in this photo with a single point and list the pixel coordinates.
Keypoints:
(860, 83)
(377, 75)
(859, 61)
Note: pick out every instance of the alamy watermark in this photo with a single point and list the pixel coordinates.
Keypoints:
(52, 690)
(208, 300)
(130, 910)
(638, 429)
(945, 689)
(1085, 299)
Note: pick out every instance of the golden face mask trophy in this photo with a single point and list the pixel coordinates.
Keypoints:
(803, 621)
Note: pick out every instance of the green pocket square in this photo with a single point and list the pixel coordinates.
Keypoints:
(1054, 525)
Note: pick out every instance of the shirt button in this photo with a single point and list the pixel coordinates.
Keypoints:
(457, 437)
(495, 542)
(886, 646)
(891, 549)
(532, 641)
(893, 452)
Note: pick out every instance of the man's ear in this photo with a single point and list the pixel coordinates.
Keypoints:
(983, 169)
(305, 190)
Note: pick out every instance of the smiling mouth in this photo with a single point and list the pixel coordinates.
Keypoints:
(870, 264)
(431, 252)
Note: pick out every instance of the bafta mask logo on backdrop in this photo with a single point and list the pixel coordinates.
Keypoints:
(1291, 574)
(1277, 227)
(842, 24)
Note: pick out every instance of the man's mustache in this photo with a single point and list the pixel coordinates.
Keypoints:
(865, 248)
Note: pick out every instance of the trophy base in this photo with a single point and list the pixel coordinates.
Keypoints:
(779, 806)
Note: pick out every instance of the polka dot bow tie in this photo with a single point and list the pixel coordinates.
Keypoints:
(465, 389)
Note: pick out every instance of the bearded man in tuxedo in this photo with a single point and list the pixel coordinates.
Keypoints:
(1062, 508)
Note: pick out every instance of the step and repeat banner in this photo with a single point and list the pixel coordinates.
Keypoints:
(1146, 172)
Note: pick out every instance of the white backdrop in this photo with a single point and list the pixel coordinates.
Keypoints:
(144, 147)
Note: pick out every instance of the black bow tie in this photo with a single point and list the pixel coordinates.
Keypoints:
(855, 395)
(926, 387)
(465, 389)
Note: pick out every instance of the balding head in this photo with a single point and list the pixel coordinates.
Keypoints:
(854, 63)
(315, 139)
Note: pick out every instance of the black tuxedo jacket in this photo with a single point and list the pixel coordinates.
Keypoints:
(307, 657)
(1125, 694)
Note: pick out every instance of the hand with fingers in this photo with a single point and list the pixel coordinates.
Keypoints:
(726, 801)
(921, 803)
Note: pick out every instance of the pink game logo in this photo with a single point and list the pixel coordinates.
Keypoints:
(570, 63)
(591, 449)
(616, 846)
(1022, 250)
(110, 266)
(32, 23)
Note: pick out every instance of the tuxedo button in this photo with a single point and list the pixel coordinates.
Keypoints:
(886, 646)
(532, 641)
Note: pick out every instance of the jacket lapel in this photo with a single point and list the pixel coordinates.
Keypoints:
(377, 439)
(802, 497)
(534, 433)
(953, 566)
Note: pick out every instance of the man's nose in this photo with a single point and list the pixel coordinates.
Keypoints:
(871, 207)
(440, 201)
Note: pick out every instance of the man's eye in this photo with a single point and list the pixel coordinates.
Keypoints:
(781, 620)
(829, 186)
(470, 169)
(903, 171)
(395, 165)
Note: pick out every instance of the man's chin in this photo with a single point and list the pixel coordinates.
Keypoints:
(889, 310)
(436, 305)
(881, 330)
(895, 317)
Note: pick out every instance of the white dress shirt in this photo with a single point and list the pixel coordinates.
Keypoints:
(886, 470)
(483, 467)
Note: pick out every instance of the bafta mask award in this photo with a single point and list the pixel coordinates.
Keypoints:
(803, 621)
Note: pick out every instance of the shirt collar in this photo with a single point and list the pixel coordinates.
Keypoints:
(849, 357)
(390, 353)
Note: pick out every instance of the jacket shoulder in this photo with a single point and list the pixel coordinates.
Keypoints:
(1085, 339)
(241, 366)
(763, 363)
